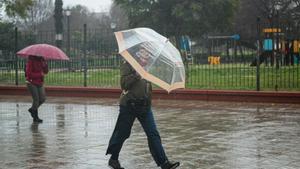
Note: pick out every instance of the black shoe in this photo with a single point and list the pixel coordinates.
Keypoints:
(34, 115)
(170, 165)
(37, 120)
(114, 164)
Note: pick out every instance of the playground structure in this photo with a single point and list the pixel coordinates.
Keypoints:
(279, 49)
(223, 48)
(214, 60)
(185, 45)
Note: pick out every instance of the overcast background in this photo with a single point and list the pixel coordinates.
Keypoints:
(93, 5)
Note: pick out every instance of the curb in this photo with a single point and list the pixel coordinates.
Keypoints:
(183, 94)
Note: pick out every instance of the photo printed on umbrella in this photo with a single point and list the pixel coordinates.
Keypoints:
(143, 54)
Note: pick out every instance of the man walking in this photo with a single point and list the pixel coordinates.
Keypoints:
(135, 102)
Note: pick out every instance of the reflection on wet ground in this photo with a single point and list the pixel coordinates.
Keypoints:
(208, 135)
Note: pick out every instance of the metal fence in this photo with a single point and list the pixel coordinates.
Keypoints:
(213, 63)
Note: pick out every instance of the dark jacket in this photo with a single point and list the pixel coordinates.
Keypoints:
(133, 86)
(35, 70)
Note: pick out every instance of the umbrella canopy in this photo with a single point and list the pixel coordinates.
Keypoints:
(48, 52)
(153, 56)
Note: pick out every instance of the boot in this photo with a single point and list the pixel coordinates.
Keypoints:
(170, 165)
(35, 116)
(114, 164)
(31, 111)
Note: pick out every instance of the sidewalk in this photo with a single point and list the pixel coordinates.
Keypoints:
(208, 135)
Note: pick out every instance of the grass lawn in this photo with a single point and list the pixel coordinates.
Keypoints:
(223, 76)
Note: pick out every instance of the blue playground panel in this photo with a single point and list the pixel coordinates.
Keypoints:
(268, 45)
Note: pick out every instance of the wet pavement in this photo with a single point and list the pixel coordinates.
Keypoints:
(208, 135)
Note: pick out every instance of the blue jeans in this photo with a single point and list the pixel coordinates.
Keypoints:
(123, 129)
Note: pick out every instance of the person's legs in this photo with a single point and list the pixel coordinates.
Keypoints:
(35, 96)
(154, 140)
(42, 95)
(121, 132)
(42, 98)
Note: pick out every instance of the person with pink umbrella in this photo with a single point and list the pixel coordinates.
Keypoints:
(35, 70)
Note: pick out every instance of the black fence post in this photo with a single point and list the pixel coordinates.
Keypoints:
(278, 52)
(68, 39)
(84, 55)
(258, 55)
(16, 57)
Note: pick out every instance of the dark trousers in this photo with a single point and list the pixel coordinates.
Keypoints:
(38, 95)
(123, 129)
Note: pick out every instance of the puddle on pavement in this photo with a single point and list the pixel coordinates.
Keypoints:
(199, 134)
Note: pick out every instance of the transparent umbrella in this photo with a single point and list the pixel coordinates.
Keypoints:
(153, 56)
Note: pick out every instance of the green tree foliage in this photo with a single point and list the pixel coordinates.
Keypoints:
(181, 17)
(286, 12)
(6, 36)
(16, 7)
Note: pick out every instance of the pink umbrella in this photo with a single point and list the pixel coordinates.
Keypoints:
(48, 52)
